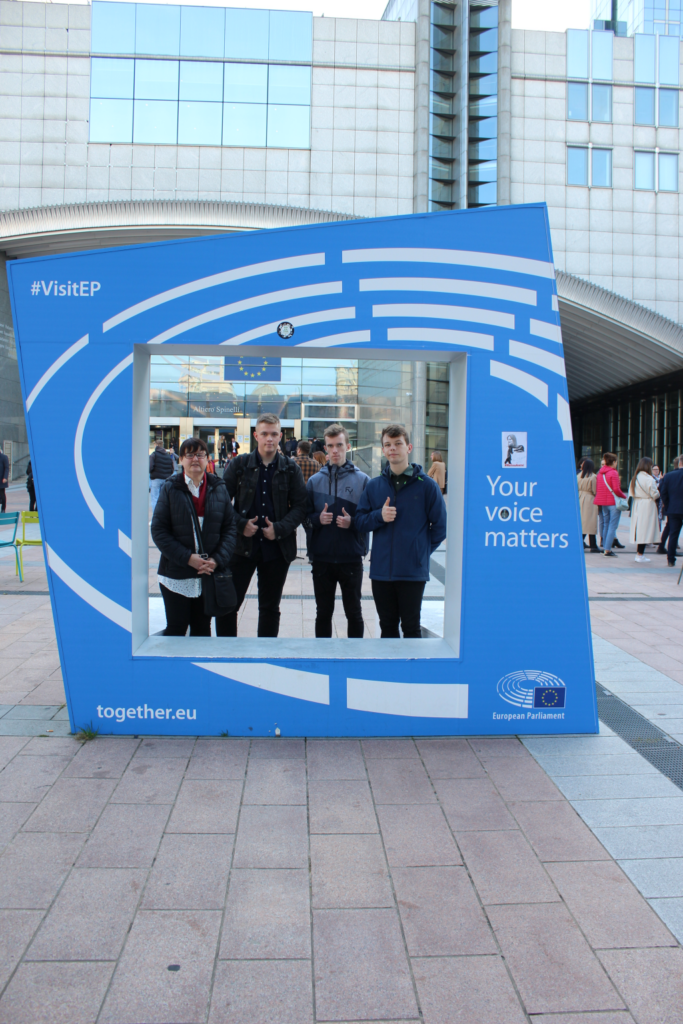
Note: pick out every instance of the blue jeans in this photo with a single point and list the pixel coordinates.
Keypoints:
(155, 488)
(609, 521)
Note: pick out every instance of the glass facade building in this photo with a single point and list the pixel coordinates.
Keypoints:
(626, 17)
(482, 175)
(228, 85)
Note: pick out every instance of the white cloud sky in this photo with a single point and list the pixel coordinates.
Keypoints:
(548, 15)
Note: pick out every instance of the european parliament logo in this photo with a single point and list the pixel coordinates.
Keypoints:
(255, 369)
(532, 688)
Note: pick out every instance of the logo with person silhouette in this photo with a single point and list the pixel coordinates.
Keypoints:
(514, 450)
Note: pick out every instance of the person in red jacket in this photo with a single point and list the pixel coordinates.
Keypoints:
(608, 485)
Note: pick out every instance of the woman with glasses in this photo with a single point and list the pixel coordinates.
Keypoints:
(182, 567)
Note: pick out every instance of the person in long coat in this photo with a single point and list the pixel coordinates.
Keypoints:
(587, 481)
(644, 509)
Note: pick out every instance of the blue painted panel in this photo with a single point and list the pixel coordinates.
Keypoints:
(480, 282)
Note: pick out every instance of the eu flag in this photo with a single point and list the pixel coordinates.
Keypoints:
(252, 368)
(549, 696)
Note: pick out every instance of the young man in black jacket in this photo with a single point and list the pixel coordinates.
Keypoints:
(270, 503)
(4, 480)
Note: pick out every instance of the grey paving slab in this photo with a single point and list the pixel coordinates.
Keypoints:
(103, 758)
(671, 913)
(642, 841)
(662, 684)
(33, 867)
(609, 787)
(48, 993)
(72, 805)
(575, 746)
(267, 916)
(28, 778)
(465, 990)
(17, 928)
(349, 871)
(656, 877)
(251, 991)
(91, 916)
(12, 817)
(4, 708)
(670, 698)
(650, 811)
(28, 711)
(144, 989)
(10, 747)
(206, 805)
(595, 764)
(126, 836)
(33, 727)
(190, 873)
(440, 912)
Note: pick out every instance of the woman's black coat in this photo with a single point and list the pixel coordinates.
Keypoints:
(172, 526)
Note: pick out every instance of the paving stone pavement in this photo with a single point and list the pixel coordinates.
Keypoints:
(170, 881)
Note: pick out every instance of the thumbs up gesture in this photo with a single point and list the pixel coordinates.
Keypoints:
(344, 520)
(326, 517)
(388, 511)
(269, 530)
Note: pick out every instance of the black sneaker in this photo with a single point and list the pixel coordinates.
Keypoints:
(660, 551)
(609, 554)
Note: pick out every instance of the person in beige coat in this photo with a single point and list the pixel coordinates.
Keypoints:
(437, 471)
(644, 509)
(587, 481)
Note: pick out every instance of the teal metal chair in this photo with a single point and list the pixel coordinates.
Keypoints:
(7, 521)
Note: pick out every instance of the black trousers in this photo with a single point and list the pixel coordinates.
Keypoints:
(3, 499)
(675, 524)
(182, 612)
(398, 601)
(31, 499)
(349, 576)
(271, 581)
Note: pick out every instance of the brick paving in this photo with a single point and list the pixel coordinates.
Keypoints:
(236, 881)
(231, 881)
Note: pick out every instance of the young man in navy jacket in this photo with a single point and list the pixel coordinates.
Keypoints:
(337, 547)
(404, 509)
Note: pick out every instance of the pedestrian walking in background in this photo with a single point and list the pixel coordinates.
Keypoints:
(337, 548)
(405, 511)
(437, 471)
(210, 465)
(171, 452)
(319, 457)
(4, 480)
(644, 509)
(161, 467)
(658, 476)
(30, 487)
(587, 481)
(182, 567)
(608, 486)
(270, 503)
(306, 464)
(291, 447)
(661, 548)
(671, 492)
(317, 445)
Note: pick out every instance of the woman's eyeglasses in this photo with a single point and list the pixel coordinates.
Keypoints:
(198, 456)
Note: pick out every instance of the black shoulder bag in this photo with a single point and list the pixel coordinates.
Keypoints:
(218, 590)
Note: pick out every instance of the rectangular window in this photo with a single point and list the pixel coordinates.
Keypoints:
(288, 127)
(601, 62)
(244, 124)
(577, 53)
(246, 34)
(157, 29)
(202, 31)
(644, 171)
(156, 79)
(601, 168)
(289, 84)
(645, 106)
(112, 78)
(200, 124)
(111, 120)
(668, 172)
(246, 83)
(668, 108)
(669, 59)
(602, 103)
(644, 58)
(201, 80)
(155, 121)
(577, 165)
(577, 101)
(112, 28)
(290, 36)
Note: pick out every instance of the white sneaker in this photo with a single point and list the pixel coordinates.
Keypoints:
(642, 558)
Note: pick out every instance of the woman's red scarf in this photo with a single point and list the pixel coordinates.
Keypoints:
(200, 502)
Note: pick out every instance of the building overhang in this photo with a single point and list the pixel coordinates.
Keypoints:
(47, 230)
(611, 342)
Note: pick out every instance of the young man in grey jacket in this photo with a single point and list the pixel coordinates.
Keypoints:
(336, 547)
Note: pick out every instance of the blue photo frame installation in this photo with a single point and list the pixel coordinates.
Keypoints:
(473, 288)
